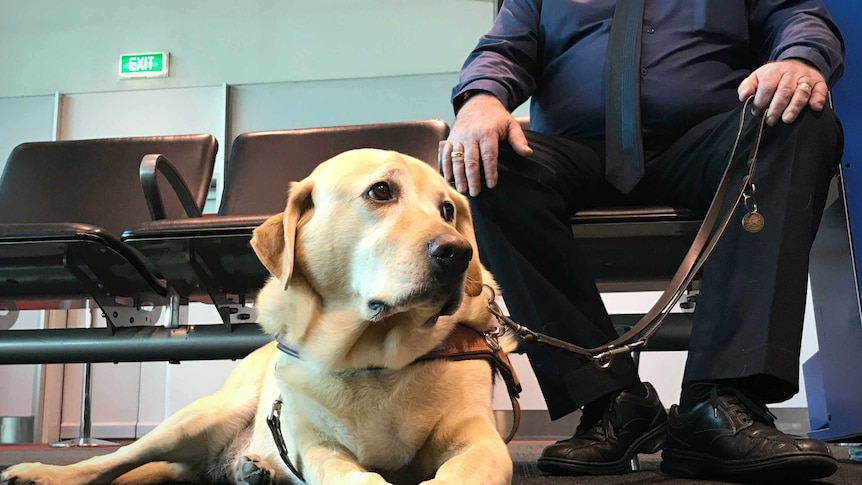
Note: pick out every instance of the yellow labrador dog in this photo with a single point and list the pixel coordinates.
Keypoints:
(374, 263)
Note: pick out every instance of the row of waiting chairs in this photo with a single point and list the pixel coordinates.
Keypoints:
(118, 222)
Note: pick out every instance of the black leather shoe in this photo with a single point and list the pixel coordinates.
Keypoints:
(607, 438)
(732, 438)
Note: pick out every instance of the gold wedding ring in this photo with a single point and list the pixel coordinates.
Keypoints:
(804, 86)
(457, 154)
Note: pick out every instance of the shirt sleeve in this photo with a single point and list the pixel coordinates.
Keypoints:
(794, 29)
(505, 61)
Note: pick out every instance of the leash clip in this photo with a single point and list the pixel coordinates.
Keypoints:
(273, 421)
(604, 359)
(508, 324)
(493, 333)
(492, 336)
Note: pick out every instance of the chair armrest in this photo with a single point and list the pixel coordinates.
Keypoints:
(170, 229)
(149, 182)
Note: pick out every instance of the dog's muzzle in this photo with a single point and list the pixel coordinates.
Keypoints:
(449, 255)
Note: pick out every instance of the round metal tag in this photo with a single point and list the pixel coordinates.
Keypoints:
(752, 222)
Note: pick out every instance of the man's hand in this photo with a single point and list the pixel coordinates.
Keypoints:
(782, 89)
(472, 146)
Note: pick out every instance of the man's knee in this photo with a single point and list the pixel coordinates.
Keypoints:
(821, 129)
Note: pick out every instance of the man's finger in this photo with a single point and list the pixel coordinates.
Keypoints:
(517, 139)
(473, 167)
(444, 163)
(489, 148)
(819, 96)
(747, 87)
(456, 158)
(797, 103)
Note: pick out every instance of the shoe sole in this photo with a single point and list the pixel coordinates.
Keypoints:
(782, 469)
(650, 442)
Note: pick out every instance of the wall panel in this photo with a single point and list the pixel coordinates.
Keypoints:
(147, 113)
(279, 106)
(23, 119)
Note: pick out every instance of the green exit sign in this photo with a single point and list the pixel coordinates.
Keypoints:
(151, 64)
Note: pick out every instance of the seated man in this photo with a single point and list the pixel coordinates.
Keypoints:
(699, 60)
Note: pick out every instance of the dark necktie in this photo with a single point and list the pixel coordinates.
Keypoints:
(624, 160)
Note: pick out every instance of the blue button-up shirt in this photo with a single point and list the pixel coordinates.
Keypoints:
(694, 55)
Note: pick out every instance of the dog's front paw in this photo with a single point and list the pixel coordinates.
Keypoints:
(252, 470)
(31, 474)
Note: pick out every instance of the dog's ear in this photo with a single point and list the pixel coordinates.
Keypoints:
(464, 225)
(274, 241)
(268, 243)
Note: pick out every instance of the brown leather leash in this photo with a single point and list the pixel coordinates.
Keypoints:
(711, 229)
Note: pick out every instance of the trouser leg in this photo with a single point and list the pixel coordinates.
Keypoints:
(749, 313)
(525, 239)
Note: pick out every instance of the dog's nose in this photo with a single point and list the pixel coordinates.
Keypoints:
(449, 255)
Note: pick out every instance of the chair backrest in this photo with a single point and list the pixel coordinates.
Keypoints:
(97, 182)
(262, 164)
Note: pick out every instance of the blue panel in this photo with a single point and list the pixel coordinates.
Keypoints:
(847, 96)
(832, 378)
(835, 396)
(818, 409)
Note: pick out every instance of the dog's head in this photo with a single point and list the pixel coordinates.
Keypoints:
(373, 260)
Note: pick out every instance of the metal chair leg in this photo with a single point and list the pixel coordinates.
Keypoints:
(86, 425)
(636, 464)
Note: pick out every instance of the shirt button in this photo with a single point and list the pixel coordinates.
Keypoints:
(643, 71)
(650, 30)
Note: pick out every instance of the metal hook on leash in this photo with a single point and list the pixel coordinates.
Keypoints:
(604, 359)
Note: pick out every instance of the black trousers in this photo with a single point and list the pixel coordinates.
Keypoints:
(749, 313)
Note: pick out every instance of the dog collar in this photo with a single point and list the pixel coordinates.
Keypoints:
(462, 343)
(287, 349)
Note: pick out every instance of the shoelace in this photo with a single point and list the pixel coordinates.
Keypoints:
(739, 404)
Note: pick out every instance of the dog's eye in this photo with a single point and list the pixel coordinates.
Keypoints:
(447, 211)
(380, 191)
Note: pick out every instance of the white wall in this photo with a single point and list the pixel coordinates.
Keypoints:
(17, 381)
(73, 47)
(27, 118)
(330, 62)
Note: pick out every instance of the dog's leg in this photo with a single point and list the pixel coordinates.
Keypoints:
(465, 447)
(321, 463)
(91, 472)
(331, 467)
(479, 457)
(157, 472)
(195, 434)
(261, 464)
